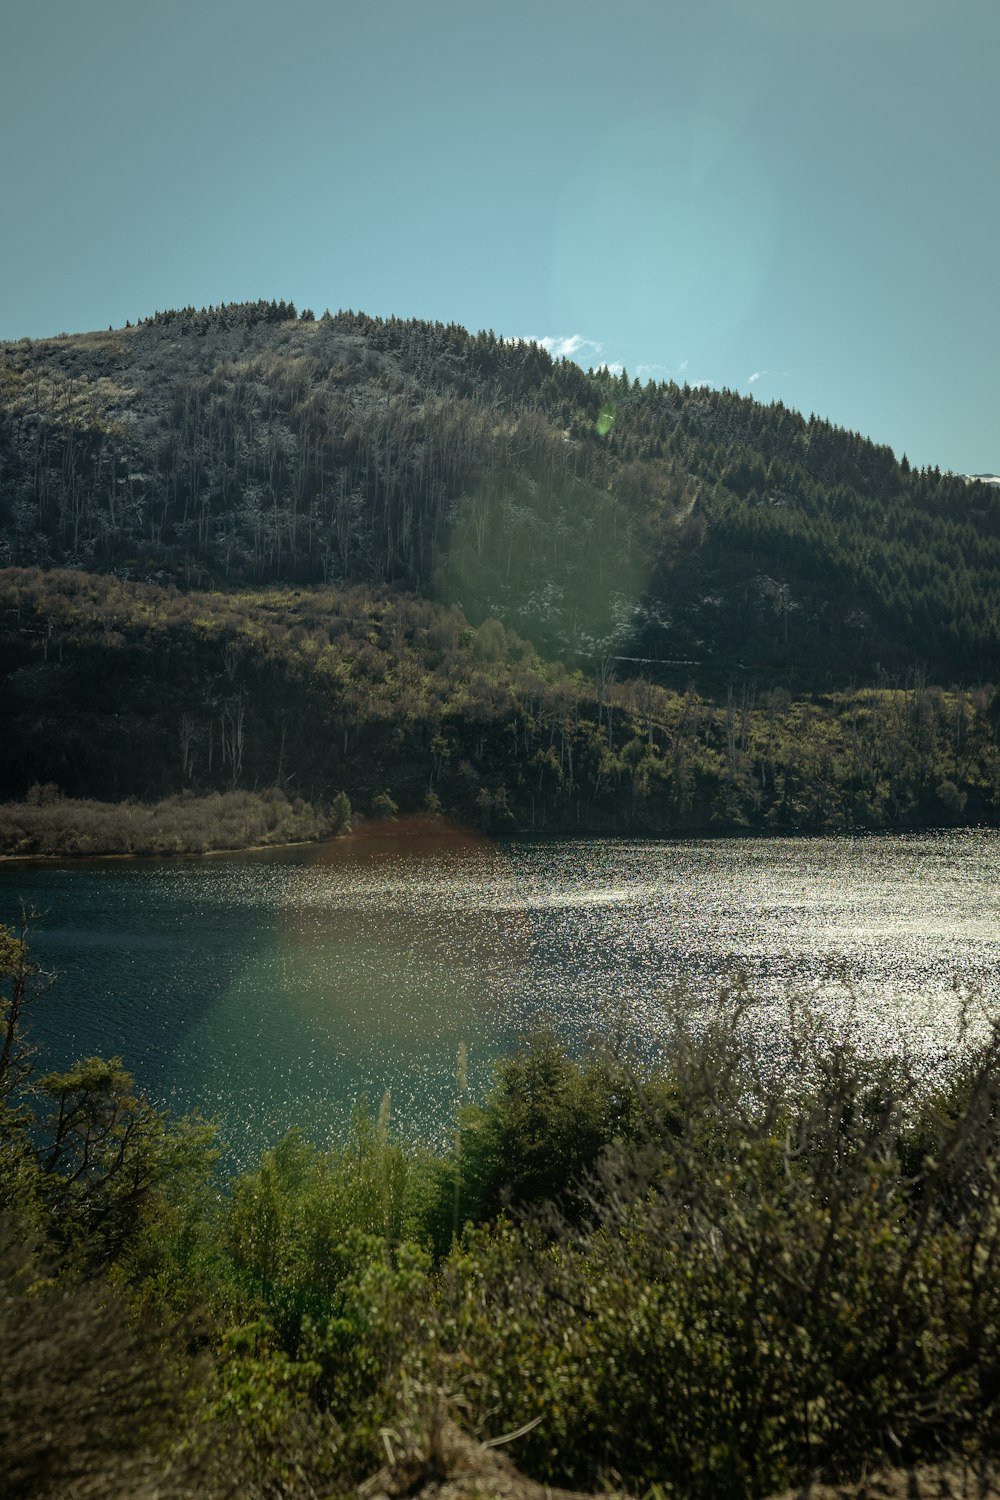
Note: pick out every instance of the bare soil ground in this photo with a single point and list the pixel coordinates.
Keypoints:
(466, 1470)
(947, 1481)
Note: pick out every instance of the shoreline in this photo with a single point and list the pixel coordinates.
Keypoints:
(404, 828)
(136, 855)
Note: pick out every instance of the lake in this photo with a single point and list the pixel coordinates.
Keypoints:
(269, 990)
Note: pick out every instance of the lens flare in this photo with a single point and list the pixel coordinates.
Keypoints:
(381, 965)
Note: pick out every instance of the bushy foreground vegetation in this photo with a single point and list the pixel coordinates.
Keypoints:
(709, 1278)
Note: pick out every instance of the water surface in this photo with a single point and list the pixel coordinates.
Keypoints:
(272, 990)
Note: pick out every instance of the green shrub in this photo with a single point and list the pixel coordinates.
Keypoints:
(715, 1278)
(768, 1293)
(540, 1135)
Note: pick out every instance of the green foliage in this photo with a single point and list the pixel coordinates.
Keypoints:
(108, 1159)
(692, 528)
(383, 806)
(540, 1136)
(768, 1294)
(355, 695)
(380, 1334)
(86, 1162)
(20, 983)
(286, 1222)
(712, 1277)
(340, 813)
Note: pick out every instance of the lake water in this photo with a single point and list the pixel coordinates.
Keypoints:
(273, 990)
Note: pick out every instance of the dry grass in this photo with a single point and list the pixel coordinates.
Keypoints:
(91, 1408)
(48, 824)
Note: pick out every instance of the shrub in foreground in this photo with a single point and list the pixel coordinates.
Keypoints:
(715, 1277)
(802, 1278)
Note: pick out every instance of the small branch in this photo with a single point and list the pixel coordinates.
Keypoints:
(510, 1437)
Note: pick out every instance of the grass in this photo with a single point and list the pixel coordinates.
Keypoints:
(48, 824)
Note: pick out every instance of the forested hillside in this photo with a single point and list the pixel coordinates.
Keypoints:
(714, 538)
(116, 690)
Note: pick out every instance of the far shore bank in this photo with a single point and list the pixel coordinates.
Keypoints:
(56, 829)
(134, 856)
(48, 826)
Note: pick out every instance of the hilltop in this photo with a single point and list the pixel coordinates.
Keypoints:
(695, 532)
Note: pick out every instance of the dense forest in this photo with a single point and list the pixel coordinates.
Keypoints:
(368, 701)
(419, 569)
(707, 534)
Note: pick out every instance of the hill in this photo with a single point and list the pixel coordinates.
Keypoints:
(404, 565)
(696, 530)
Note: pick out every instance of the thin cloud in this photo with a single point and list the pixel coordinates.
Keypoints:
(613, 367)
(661, 372)
(561, 347)
(757, 375)
(567, 348)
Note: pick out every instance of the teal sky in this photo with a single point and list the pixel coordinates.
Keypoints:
(794, 198)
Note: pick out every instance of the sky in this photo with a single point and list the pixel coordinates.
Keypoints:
(795, 199)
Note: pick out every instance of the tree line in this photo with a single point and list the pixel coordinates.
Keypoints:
(583, 509)
(117, 690)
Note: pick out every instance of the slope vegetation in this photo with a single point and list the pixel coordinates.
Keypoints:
(710, 536)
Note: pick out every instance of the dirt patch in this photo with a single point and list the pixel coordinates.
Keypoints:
(461, 1469)
(948, 1481)
(464, 1469)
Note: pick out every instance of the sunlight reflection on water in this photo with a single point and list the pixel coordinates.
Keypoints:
(272, 990)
